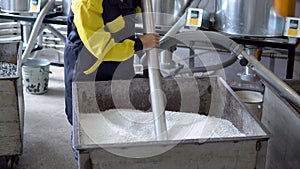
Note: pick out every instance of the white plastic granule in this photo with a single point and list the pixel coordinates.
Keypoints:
(7, 69)
(125, 125)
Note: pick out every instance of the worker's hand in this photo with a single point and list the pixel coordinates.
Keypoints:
(150, 40)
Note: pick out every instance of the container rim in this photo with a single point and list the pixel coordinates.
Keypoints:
(250, 96)
(36, 62)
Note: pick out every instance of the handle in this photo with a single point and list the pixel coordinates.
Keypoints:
(43, 70)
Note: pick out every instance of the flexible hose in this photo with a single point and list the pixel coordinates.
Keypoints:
(190, 36)
(283, 89)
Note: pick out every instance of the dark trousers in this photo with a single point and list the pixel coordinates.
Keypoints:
(77, 59)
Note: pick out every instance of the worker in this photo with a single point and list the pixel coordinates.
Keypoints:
(101, 42)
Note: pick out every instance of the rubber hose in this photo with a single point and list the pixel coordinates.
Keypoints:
(186, 37)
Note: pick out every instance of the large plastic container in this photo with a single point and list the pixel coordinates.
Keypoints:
(209, 96)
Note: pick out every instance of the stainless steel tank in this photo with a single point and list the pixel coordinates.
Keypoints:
(248, 18)
(15, 5)
(167, 12)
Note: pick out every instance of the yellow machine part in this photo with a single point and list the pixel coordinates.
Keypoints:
(285, 7)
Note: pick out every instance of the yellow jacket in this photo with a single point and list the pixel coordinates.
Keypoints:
(101, 25)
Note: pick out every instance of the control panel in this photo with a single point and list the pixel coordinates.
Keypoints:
(194, 17)
(35, 5)
(292, 27)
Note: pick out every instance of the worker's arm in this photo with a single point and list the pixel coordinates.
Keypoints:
(90, 26)
(148, 40)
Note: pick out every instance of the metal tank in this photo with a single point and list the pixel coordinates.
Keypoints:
(248, 18)
(167, 12)
(15, 5)
(18, 6)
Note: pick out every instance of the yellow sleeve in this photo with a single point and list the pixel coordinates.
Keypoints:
(138, 10)
(90, 26)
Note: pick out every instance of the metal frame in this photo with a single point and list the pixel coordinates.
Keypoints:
(157, 99)
(49, 19)
(291, 47)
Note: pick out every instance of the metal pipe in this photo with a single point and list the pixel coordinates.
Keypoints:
(56, 33)
(186, 38)
(36, 29)
(284, 90)
(177, 26)
(157, 95)
(39, 43)
(221, 40)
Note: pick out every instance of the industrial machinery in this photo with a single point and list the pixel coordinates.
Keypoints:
(256, 20)
(234, 18)
(86, 104)
(183, 25)
(23, 8)
(209, 96)
(237, 21)
(37, 19)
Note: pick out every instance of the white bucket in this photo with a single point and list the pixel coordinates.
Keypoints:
(35, 73)
(252, 100)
